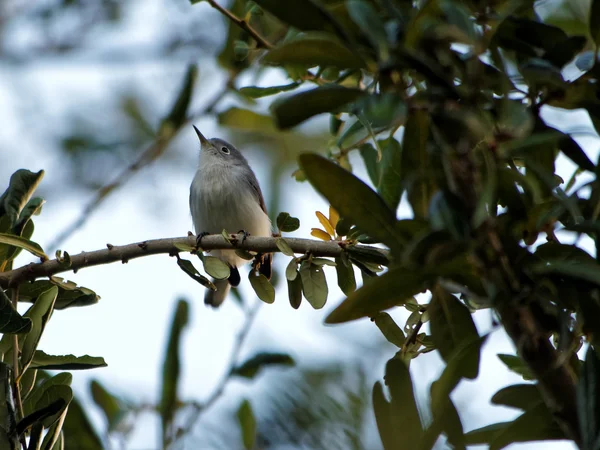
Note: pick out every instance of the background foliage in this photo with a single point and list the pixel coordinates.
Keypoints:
(446, 104)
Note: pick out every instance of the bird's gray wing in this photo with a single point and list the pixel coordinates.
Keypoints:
(253, 182)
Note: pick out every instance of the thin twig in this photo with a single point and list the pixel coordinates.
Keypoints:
(231, 365)
(145, 158)
(243, 24)
(172, 246)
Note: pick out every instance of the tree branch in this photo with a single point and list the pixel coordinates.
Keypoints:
(172, 246)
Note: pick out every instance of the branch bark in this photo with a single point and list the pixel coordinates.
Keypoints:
(172, 246)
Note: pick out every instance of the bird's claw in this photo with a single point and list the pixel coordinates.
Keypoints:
(244, 234)
(199, 238)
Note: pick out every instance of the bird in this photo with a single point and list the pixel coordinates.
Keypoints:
(225, 195)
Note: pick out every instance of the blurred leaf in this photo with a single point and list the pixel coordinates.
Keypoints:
(389, 328)
(369, 156)
(21, 186)
(314, 284)
(246, 120)
(284, 247)
(193, 273)
(171, 368)
(259, 92)
(294, 109)
(521, 396)
(69, 294)
(390, 184)
(53, 438)
(26, 244)
(451, 327)
(39, 313)
(216, 268)
(261, 285)
(484, 435)
(352, 198)
(176, 116)
(398, 420)
(367, 19)
(109, 404)
(65, 362)
(251, 367)
(588, 271)
(345, 274)
(78, 430)
(247, 424)
(8, 420)
(295, 291)
(10, 320)
(588, 401)
(313, 51)
(287, 223)
(517, 365)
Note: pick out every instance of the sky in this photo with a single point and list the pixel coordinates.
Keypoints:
(129, 326)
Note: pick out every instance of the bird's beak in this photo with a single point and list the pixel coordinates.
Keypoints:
(203, 140)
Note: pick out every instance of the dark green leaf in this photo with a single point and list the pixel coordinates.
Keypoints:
(20, 188)
(20, 242)
(176, 116)
(517, 365)
(65, 362)
(352, 199)
(588, 401)
(259, 92)
(389, 328)
(484, 435)
(345, 275)
(588, 271)
(367, 19)
(69, 295)
(291, 272)
(8, 419)
(284, 247)
(247, 424)
(398, 420)
(369, 156)
(78, 430)
(252, 366)
(295, 291)
(49, 395)
(312, 52)
(111, 406)
(10, 320)
(39, 313)
(172, 367)
(292, 110)
(193, 273)
(287, 223)
(33, 207)
(261, 285)
(314, 284)
(390, 184)
(451, 327)
(381, 110)
(215, 267)
(522, 396)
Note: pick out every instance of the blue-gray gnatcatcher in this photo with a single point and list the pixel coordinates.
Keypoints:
(225, 195)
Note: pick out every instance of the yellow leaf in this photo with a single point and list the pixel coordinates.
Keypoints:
(318, 233)
(325, 222)
(334, 217)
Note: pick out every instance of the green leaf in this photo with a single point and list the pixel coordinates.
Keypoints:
(345, 274)
(295, 109)
(323, 262)
(216, 268)
(393, 288)
(78, 430)
(69, 295)
(261, 285)
(451, 326)
(484, 435)
(171, 367)
(251, 367)
(287, 223)
(314, 284)
(312, 52)
(295, 291)
(291, 271)
(39, 313)
(21, 186)
(398, 420)
(246, 120)
(390, 184)
(247, 424)
(193, 273)
(369, 156)
(51, 393)
(517, 365)
(110, 405)
(588, 401)
(259, 92)
(367, 19)
(176, 117)
(8, 431)
(583, 270)
(284, 247)
(65, 362)
(10, 320)
(33, 207)
(20, 242)
(521, 396)
(352, 199)
(389, 328)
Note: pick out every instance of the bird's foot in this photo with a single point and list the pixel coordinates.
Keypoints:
(199, 238)
(244, 234)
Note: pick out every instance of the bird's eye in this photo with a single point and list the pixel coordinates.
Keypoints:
(225, 150)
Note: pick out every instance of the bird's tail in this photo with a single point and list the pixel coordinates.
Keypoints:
(215, 298)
